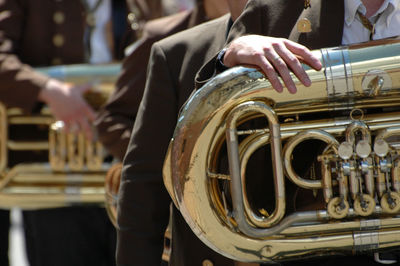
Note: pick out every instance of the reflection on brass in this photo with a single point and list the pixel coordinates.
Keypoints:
(3, 138)
(112, 182)
(207, 263)
(57, 146)
(376, 82)
(94, 155)
(75, 169)
(76, 153)
(349, 110)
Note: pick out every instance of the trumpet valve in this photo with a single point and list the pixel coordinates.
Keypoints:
(338, 208)
(390, 202)
(364, 205)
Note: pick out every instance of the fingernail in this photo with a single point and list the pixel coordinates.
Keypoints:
(292, 89)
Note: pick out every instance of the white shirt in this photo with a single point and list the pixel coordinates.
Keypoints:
(174, 6)
(387, 21)
(99, 48)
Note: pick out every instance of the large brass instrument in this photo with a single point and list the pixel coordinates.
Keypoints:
(351, 111)
(74, 169)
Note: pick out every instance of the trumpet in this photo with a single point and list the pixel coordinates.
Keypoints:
(54, 168)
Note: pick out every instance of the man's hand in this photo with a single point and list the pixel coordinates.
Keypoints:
(66, 102)
(274, 56)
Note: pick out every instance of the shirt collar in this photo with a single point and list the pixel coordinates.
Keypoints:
(388, 8)
(352, 6)
(350, 10)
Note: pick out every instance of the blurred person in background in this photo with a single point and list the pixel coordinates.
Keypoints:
(37, 33)
(115, 120)
(142, 11)
(143, 206)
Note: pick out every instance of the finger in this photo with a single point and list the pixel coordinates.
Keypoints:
(71, 126)
(294, 64)
(270, 72)
(86, 128)
(89, 113)
(304, 54)
(85, 110)
(282, 69)
(74, 128)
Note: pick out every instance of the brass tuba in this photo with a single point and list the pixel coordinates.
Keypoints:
(333, 186)
(53, 168)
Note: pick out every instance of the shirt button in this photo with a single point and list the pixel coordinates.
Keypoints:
(207, 263)
(59, 17)
(58, 40)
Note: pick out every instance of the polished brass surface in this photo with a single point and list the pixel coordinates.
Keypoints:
(74, 170)
(351, 111)
(112, 182)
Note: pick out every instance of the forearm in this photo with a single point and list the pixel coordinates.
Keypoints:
(20, 84)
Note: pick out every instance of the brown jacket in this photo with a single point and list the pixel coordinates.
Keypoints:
(143, 199)
(115, 120)
(44, 33)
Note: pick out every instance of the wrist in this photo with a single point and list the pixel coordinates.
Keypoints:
(51, 86)
(219, 64)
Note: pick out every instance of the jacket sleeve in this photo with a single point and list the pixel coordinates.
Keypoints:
(115, 120)
(249, 22)
(20, 84)
(143, 206)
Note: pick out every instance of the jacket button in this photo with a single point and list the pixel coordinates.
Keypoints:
(207, 263)
(59, 17)
(58, 40)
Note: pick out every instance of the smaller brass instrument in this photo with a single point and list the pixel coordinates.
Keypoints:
(346, 127)
(73, 171)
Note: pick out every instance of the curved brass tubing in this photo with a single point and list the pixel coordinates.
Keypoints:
(360, 174)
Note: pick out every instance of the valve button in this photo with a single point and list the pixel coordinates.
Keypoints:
(363, 149)
(381, 148)
(345, 150)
